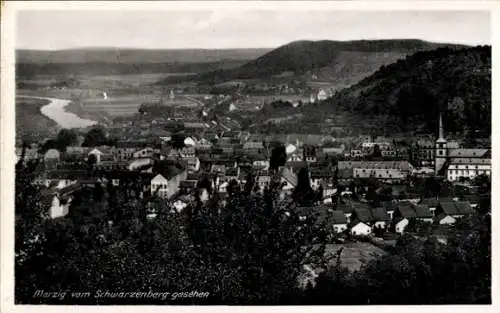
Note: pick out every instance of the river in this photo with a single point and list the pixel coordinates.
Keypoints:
(56, 111)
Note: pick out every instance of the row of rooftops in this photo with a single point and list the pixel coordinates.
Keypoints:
(385, 212)
(401, 165)
(409, 209)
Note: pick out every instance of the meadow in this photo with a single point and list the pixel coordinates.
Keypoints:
(103, 97)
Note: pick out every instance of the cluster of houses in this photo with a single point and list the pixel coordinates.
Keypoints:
(363, 219)
(366, 146)
(430, 156)
(227, 156)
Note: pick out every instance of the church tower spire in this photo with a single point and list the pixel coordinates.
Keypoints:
(441, 151)
(441, 130)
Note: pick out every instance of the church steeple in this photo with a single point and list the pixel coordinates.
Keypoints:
(441, 137)
(441, 151)
(441, 130)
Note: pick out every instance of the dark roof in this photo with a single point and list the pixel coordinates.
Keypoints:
(70, 189)
(343, 207)
(463, 207)
(388, 205)
(338, 217)
(168, 169)
(406, 210)
(380, 214)
(422, 210)
(448, 208)
(431, 202)
(440, 216)
(362, 212)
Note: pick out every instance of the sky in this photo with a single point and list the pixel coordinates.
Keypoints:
(55, 30)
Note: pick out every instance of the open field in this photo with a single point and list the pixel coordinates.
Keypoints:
(123, 81)
(31, 124)
(127, 105)
(102, 82)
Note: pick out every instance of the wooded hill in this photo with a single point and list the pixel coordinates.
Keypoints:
(409, 94)
(329, 59)
(413, 91)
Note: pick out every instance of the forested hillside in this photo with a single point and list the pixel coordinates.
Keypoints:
(414, 90)
(323, 56)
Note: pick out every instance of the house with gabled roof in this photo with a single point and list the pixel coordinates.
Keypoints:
(402, 214)
(337, 221)
(361, 212)
(359, 228)
(57, 201)
(380, 218)
(423, 213)
(347, 209)
(432, 203)
(168, 176)
(309, 153)
(389, 207)
(101, 154)
(464, 207)
(447, 213)
(288, 179)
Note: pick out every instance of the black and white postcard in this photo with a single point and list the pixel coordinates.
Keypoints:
(248, 154)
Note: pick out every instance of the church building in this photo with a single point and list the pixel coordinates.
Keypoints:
(456, 163)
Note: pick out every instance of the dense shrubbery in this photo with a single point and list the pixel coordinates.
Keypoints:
(250, 252)
(419, 272)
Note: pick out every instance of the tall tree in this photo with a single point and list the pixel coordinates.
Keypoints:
(95, 137)
(65, 138)
(303, 192)
(278, 156)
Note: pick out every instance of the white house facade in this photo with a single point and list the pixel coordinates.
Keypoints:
(361, 229)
